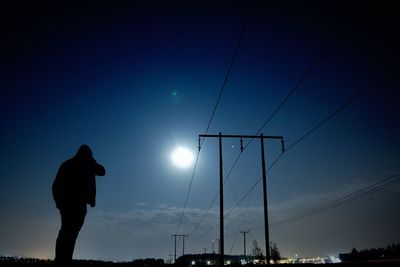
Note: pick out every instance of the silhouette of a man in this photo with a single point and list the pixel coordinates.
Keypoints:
(73, 188)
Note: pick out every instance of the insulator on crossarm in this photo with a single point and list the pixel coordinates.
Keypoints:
(199, 147)
(283, 146)
(241, 145)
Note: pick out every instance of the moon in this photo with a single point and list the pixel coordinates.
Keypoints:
(182, 157)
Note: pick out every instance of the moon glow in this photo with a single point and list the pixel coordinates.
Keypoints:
(182, 157)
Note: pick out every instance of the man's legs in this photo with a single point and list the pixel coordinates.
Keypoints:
(72, 220)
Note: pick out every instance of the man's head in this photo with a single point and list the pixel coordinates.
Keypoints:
(84, 152)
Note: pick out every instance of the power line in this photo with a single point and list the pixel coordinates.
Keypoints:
(215, 108)
(291, 92)
(308, 72)
(261, 137)
(361, 193)
(333, 114)
(188, 192)
(347, 103)
(272, 115)
(244, 197)
(235, 53)
(330, 116)
(243, 221)
(237, 203)
(253, 187)
(215, 198)
(344, 200)
(210, 230)
(243, 215)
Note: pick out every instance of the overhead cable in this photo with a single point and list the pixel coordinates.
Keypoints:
(215, 108)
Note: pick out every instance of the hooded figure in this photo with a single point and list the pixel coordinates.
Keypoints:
(73, 188)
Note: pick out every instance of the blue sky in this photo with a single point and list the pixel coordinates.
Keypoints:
(136, 80)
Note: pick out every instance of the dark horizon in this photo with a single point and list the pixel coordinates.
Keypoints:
(389, 256)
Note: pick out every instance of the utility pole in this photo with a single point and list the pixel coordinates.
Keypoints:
(244, 243)
(221, 190)
(266, 232)
(175, 248)
(205, 250)
(183, 245)
(221, 205)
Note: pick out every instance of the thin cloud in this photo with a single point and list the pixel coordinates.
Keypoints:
(152, 224)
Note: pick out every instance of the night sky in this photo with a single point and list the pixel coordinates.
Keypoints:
(136, 80)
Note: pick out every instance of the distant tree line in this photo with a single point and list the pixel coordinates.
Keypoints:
(19, 261)
(150, 262)
(391, 252)
(259, 255)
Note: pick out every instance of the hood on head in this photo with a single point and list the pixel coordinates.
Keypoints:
(84, 152)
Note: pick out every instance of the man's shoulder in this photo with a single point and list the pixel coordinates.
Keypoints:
(66, 162)
(69, 163)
